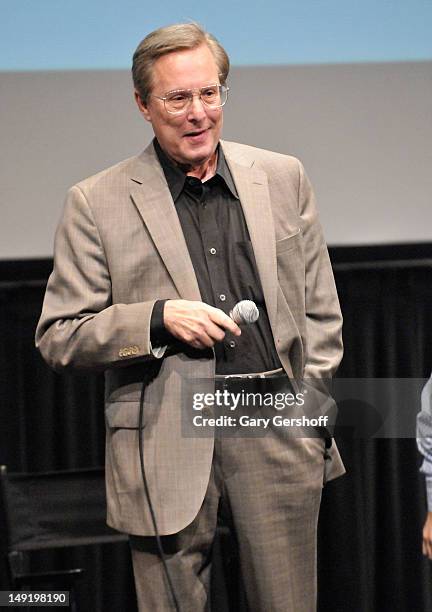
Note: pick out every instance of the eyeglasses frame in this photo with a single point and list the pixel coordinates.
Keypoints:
(196, 91)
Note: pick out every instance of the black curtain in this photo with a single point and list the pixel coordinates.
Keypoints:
(371, 519)
(370, 524)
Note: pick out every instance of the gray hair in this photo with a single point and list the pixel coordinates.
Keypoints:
(168, 39)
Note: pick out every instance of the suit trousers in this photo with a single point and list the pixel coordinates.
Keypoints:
(267, 486)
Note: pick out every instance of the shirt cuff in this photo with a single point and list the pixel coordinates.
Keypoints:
(429, 493)
(159, 336)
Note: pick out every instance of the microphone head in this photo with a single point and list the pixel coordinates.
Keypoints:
(244, 312)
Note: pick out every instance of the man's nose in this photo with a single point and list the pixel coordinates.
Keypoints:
(196, 110)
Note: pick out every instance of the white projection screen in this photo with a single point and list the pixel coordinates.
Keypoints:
(360, 121)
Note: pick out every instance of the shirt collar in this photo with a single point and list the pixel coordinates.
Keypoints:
(175, 177)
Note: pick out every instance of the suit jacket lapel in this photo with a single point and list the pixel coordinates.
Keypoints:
(252, 187)
(153, 200)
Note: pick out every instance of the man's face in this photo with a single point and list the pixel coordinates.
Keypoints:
(190, 138)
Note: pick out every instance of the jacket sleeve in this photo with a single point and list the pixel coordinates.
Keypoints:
(79, 326)
(324, 348)
(424, 438)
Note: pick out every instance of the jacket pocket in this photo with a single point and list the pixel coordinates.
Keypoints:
(123, 415)
(288, 242)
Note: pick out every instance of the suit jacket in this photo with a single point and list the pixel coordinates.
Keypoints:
(119, 247)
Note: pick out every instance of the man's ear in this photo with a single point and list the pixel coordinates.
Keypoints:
(143, 108)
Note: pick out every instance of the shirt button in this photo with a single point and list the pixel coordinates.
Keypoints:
(232, 344)
(222, 297)
(213, 251)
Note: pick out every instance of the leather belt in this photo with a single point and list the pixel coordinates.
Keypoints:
(253, 375)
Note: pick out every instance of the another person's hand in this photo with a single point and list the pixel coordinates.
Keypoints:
(196, 323)
(427, 536)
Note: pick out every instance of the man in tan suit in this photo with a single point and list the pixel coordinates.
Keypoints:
(150, 257)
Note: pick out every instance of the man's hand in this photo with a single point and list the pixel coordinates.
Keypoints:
(427, 536)
(196, 323)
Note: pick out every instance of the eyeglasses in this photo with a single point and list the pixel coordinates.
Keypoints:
(178, 101)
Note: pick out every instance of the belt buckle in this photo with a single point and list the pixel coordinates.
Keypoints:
(245, 376)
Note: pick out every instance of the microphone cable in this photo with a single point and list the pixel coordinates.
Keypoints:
(161, 552)
(244, 312)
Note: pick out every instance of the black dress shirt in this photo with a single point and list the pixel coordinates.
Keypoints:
(219, 245)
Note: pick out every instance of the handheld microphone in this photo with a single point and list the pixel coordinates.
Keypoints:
(244, 312)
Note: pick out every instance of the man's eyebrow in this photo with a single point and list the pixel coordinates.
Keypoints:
(191, 88)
